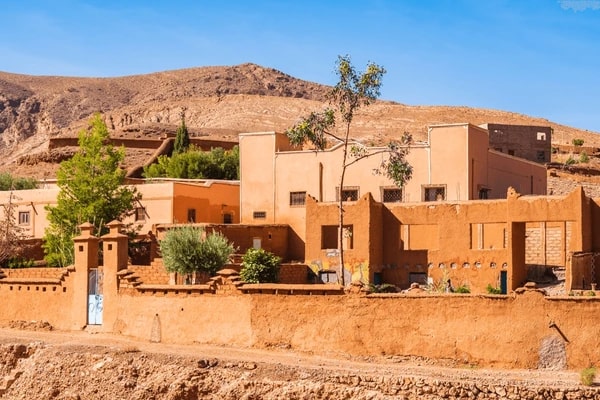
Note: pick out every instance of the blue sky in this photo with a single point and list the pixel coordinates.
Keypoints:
(536, 57)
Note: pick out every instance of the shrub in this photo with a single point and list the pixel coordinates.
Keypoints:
(493, 290)
(383, 288)
(570, 161)
(187, 249)
(259, 266)
(583, 157)
(578, 142)
(588, 375)
(462, 289)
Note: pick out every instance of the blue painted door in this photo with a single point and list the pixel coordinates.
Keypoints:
(503, 282)
(95, 297)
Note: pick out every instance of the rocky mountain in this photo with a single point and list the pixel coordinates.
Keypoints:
(219, 102)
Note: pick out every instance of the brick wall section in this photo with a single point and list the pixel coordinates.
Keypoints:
(295, 274)
(522, 140)
(29, 273)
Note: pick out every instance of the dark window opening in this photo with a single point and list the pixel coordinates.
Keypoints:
(392, 195)
(349, 193)
(329, 237)
(140, 214)
(23, 217)
(511, 152)
(259, 214)
(297, 198)
(541, 155)
(191, 217)
(484, 194)
(227, 218)
(434, 193)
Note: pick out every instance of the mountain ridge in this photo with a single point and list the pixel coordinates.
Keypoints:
(219, 102)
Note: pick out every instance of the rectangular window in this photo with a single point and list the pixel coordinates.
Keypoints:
(329, 237)
(259, 214)
(140, 214)
(434, 193)
(391, 195)
(349, 193)
(23, 217)
(297, 198)
(511, 152)
(541, 155)
(484, 193)
(227, 218)
(541, 136)
(191, 215)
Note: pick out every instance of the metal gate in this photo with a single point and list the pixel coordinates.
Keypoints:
(95, 279)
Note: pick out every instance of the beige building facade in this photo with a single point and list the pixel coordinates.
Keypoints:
(162, 202)
(455, 164)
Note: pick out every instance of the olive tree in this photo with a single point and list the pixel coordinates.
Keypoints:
(352, 91)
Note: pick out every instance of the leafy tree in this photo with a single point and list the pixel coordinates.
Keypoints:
(259, 266)
(8, 182)
(188, 249)
(577, 142)
(352, 91)
(91, 190)
(11, 234)
(182, 139)
(198, 164)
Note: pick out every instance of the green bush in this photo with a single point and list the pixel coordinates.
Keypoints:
(187, 249)
(259, 266)
(570, 161)
(588, 375)
(583, 157)
(462, 289)
(8, 182)
(383, 288)
(18, 262)
(493, 290)
(577, 142)
(197, 164)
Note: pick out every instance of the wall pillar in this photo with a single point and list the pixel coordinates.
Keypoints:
(86, 257)
(114, 245)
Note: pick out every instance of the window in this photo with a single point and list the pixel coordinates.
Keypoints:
(349, 193)
(484, 193)
(434, 193)
(498, 149)
(23, 217)
(140, 214)
(391, 195)
(259, 214)
(511, 152)
(329, 237)
(541, 136)
(297, 198)
(541, 155)
(227, 218)
(191, 215)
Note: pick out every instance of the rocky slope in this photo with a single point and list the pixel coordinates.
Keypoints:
(80, 365)
(219, 102)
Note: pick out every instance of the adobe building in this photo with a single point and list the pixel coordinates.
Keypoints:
(533, 143)
(163, 202)
(455, 164)
(501, 243)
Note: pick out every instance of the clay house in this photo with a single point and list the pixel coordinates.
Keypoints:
(533, 143)
(455, 164)
(163, 202)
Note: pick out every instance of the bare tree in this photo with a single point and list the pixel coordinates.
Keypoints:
(352, 91)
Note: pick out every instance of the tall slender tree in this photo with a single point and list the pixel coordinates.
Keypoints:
(352, 91)
(182, 139)
(91, 190)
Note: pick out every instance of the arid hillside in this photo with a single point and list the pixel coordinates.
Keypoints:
(219, 102)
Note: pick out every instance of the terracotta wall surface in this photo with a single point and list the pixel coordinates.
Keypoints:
(495, 331)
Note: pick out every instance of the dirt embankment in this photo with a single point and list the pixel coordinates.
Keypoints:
(80, 365)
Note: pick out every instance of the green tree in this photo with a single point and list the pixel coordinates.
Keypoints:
(197, 164)
(91, 190)
(182, 139)
(352, 91)
(188, 249)
(259, 266)
(9, 182)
